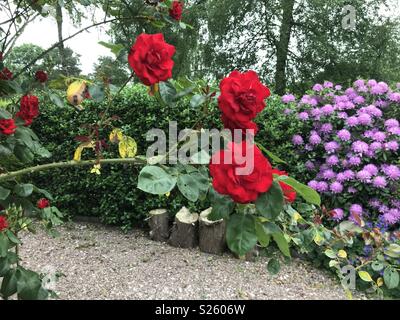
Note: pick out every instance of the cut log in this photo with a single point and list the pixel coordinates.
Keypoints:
(159, 225)
(184, 232)
(211, 234)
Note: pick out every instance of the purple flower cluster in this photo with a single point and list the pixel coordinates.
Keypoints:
(352, 148)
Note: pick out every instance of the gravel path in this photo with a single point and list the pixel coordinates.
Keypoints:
(104, 263)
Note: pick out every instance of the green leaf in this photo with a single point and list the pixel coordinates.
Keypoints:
(263, 238)
(11, 236)
(23, 190)
(365, 276)
(393, 250)
(56, 100)
(201, 180)
(155, 180)
(197, 100)
(167, 92)
(241, 234)
(270, 204)
(307, 193)
(115, 48)
(4, 244)
(330, 253)
(188, 186)
(43, 192)
(222, 206)
(97, 92)
(377, 266)
(4, 193)
(283, 245)
(270, 154)
(391, 278)
(28, 284)
(273, 266)
(4, 266)
(4, 114)
(9, 284)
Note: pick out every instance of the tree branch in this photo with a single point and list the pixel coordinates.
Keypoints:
(68, 164)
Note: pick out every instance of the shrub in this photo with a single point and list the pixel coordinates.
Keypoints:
(114, 196)
(349, 142)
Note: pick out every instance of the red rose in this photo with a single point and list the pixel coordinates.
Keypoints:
(288, 192)
(151, 58)
(7, 126)
(29, 109)
(176, 11)
(232, 125)
(41, 76)
(43, 203)
(3, 223)
(227, 168)
(6, 74)
(242, 97)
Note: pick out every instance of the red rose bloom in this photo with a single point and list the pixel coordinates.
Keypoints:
(232, 125)
(242, 187)
(7, 126)
(29, 109)
(41, 76)
(6, 74)
(176, 11)
(3, 223)
(242, 98)
(43, 203)
(151, 58)
(288, 192)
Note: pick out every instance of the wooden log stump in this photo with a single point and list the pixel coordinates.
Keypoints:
(184, 232)
(159, 225)
(211, 234)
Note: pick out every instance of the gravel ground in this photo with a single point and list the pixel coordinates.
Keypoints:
(104, 263)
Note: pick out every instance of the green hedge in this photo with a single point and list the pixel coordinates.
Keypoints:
(113, 195)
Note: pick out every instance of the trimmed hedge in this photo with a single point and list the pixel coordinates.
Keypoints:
(113, 195)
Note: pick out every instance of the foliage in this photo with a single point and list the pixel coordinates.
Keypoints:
(25, 53)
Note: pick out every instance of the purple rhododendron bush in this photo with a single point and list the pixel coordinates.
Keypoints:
(351, 150)
(349, 142)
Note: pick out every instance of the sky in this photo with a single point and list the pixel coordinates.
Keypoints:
(43, 32)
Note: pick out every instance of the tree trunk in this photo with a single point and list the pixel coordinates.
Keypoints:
(282, 46)
(211, 234)
(184, 232)
(61, 48)
(159, 225)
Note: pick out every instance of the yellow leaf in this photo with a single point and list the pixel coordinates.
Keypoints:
(342, 254)
(349, 295)
(76, 92)
(116, 135)
(297, 216)
(96, 169)
(379, 282)
(318, 239)
(78, 151)
(168, 194)
(127, 147)
(365, 276)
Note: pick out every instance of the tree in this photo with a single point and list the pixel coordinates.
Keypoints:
(111, 69)
(294, 43)
(20, 56)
